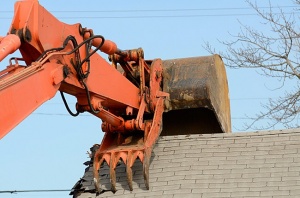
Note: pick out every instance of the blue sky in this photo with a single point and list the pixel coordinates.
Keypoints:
(47, 149)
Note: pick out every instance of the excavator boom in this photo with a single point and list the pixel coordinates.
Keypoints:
(136, 99)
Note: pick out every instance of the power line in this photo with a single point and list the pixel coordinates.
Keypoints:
(34, 191)
(249, 99)
(246, 118)
(158, 16)
(154, 16)
(58, 114)
(165, 10)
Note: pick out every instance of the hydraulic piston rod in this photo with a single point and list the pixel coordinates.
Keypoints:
(8, 45)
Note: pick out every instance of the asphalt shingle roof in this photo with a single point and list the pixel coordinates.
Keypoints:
(249, 164)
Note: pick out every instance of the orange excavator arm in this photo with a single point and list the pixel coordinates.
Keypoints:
(130, 95)
(61, 57)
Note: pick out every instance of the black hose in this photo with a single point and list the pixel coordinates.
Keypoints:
(67, 106)
(78, 65)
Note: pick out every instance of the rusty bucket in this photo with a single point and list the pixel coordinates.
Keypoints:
(199, 96)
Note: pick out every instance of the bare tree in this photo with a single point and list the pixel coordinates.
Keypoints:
(276, 55)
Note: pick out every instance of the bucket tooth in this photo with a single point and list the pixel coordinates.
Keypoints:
(97, 165)
(113, 179)
(97, 185)
(146, 174)
(129, 169)
(129, 176)
(146, 164)
(112, 171)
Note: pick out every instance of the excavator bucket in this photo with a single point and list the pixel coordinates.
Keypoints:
(199, 97)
